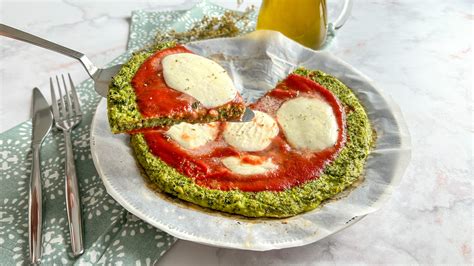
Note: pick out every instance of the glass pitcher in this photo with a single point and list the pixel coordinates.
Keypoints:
(304, 21)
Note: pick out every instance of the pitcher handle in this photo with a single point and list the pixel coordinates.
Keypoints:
(344, 15)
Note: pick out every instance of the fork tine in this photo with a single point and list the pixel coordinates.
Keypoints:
(54, 103)
(77, 105)
(70, 111)
(62, 107)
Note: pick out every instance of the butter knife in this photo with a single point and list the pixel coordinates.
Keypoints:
(41, 125)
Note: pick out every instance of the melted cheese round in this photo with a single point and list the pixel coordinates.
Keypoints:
(308, 123)
(191, 136)
(242, 166)
(202, 78)
(254, 135)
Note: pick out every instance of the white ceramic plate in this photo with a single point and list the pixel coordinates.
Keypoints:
(256, 62)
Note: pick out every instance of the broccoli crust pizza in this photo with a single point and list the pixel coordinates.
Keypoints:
(308, 141)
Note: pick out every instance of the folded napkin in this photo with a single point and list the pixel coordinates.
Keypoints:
(111, 233)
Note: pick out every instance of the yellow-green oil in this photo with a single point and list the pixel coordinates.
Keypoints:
(304, 21)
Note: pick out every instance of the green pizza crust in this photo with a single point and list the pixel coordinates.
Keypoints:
(345, 170)
(122, 108)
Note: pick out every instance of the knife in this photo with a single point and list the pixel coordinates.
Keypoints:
(42, 122)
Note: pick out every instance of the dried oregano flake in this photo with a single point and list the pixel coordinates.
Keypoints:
(230, 24)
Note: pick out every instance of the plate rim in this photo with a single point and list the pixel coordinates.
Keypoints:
(112, 191)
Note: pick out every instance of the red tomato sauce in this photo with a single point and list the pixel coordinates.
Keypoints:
(294, 167)
(153, 96)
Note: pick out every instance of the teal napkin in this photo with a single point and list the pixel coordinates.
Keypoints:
(111, 233)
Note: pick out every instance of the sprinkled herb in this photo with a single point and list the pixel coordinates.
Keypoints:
(212, 27)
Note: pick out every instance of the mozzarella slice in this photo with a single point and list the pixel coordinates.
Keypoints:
(191, 136)
(202, 78)
(254, 135)
(248, 165)
(308, 123)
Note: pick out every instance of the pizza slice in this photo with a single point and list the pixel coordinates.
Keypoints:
(169, 86)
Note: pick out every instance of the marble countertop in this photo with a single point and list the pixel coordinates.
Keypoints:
(418, 52)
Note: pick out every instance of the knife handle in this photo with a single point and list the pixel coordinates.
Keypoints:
(35, 219)
(73, 204)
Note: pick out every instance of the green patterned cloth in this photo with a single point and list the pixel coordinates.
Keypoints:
(111, 234)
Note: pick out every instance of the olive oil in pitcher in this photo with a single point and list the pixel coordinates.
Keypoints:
(304, 21)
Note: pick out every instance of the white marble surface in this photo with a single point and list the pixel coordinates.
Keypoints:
(419, 52)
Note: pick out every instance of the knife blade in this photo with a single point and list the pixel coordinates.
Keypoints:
(41, 125)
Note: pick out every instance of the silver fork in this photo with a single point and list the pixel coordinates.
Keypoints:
(67, 114)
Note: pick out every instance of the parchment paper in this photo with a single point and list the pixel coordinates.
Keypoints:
(256, 62)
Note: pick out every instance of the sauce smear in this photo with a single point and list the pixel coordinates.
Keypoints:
(154, 97)
(295, 167)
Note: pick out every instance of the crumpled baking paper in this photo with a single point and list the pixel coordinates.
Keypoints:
(256, 62)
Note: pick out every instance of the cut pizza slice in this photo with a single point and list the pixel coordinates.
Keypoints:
(170, 86)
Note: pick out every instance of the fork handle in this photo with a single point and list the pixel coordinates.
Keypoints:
(73, 204)
(35, 208)
(17, 34)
